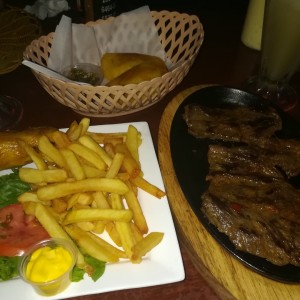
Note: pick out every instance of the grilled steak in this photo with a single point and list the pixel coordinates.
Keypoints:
(238, 124)
(270, 197)
(268, 157)
(285, 153)
(242, 160)
(275, 239)
(249, 197)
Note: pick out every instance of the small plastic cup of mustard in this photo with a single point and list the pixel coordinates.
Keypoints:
(47, 266)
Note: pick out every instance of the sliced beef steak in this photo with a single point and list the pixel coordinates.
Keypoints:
(270, 197)
(237, 124)
(276, 240)
(242, 160)
(249, 197)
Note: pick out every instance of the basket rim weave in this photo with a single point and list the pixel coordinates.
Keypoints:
(163, 84)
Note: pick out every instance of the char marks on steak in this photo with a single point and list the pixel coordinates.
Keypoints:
(270, 197)
(271, 157)
(242, 160)
(274, 239)
(249, 197)
(237, 124)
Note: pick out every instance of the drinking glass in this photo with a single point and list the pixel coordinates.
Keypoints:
(280, 53)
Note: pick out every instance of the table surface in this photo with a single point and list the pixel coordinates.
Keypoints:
(222, 59)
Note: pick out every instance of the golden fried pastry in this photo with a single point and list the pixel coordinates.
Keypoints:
(12, 153)
(127, 68)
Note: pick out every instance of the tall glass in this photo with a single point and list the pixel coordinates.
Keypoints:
(280, 54)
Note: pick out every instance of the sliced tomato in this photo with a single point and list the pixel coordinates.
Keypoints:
(18, 231)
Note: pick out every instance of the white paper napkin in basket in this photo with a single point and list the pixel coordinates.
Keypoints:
(130, 32)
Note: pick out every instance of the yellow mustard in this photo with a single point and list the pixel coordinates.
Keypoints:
(48, 263)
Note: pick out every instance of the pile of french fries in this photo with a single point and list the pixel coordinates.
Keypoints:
(85, 184)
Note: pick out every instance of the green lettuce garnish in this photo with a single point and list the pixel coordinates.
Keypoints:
(11, 187)
(9, 267)
(77, 274)
(97, 265)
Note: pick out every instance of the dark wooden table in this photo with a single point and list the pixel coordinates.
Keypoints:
(223, 59)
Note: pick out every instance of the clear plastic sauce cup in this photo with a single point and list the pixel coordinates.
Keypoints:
(47, 266)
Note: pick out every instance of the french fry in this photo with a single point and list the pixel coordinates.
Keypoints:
(28, 197)
(109, 149)
(113, 233)
(90, 246)
(136, 232)
(49, 222)
(74, 166)
(47, 148)
(131, 166)
(80, 206)
(34, 155)
(99, 226)
(91, 144)
(95, 214)
(29, 208)
(123, 176)
(138, 215)
(92, 172)
(59, 217)
(55, 230)
(59, 205)
(132, 142)
(109, 247)
(145, 245)
(39, 176)
(100, 137)
(31, 197)
(58, 190)
(84, 199)
(115, 166)
(129, 163)
(122, 148)
(113, 140)
(86, 226)
(123, 228)
(85, 123)
(60, 139)
(73, 131)
(72, 201)
(132, 187)
(88, 155)
(100, 200)
(148, 187)
(76, 133)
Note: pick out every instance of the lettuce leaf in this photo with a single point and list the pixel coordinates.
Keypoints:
(97, 265)
(11, 187)
(9, 267)
(77, 274)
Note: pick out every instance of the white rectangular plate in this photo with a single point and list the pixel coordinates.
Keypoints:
(161, 266)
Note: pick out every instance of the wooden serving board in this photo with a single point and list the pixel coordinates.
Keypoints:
(227, 276)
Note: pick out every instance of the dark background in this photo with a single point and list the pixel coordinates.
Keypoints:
(187, 6)
(180, 5)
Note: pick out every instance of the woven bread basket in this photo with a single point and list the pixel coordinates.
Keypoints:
(181, 36)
